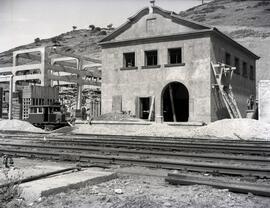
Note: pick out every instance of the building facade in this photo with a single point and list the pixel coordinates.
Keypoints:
(157, 66)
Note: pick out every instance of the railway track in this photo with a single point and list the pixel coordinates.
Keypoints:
(256, 148)
(146, 152)
(139, 153)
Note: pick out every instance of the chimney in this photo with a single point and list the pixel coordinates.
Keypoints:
(151, 6)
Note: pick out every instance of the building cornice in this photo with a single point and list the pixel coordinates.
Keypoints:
(153, 39)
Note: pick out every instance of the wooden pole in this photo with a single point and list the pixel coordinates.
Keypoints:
(10, 97)
(151, 108)
(172, 103)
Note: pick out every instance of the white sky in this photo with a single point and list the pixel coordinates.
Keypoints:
(21, 21)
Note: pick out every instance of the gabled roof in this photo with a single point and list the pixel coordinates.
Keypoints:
(145, 11)
(199, 29)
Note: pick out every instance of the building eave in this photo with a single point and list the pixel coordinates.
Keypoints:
(233, 42)
(152, 39)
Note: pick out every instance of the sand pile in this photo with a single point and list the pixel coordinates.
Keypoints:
(246, 129)
(235, 129)
(17, 125)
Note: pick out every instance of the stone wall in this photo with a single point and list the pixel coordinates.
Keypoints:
(242, 87)
(150, 82)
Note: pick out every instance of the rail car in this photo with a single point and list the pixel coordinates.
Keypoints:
(48, 117)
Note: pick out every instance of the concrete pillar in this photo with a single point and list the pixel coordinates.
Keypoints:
(79, 89)
(79, 97)
(10, 97)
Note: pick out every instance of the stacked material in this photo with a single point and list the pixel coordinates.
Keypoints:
(17, 105)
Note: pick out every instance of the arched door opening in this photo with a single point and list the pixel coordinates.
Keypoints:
(175, 98)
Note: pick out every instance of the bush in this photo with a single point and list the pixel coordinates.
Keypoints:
(97, 29)
(103, 32)
(10, 195)
(92, 27)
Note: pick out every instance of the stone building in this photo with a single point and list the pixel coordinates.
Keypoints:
(158, 66)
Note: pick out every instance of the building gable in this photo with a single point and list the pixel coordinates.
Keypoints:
(153, 23)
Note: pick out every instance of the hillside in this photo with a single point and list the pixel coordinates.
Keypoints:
(247, 21)
(82, 42)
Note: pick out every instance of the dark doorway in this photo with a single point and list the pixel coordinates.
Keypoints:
(144, 107)
(46, 114)
(175, 100)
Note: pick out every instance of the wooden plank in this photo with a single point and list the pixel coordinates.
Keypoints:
(151, 108)
(172, 103)
(239, 187)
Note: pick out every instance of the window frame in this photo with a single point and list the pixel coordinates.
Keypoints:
(244, 69)
(146, 64)
(169, 57)
(251, 75)
(228, 55)
(238, 69)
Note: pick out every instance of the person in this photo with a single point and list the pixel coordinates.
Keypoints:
(250, 102)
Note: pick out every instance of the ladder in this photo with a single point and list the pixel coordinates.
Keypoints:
(223, 75)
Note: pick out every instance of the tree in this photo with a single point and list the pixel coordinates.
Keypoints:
(103, 32)
(92, 27)
(74, 27)
(97, 29)
(37, 41)
(110, 26)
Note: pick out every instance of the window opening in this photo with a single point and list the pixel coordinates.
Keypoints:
(151, 58)
(129, 60)
(175, 56)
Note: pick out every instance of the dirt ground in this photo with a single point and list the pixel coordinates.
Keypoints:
(150, 192)
(138, 187)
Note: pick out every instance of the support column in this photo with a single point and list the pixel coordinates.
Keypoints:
(10, 97)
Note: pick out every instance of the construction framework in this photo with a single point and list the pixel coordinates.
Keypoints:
(63, 68)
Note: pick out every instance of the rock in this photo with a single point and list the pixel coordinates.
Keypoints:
(118, 191)
(167, 204)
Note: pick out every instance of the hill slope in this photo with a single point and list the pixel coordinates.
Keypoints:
(247, 21)
(82, 42)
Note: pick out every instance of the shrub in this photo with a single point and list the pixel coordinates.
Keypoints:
(92, 27)
(103, 32)
(10, 195)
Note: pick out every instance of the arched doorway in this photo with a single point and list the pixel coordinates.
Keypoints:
(175, 102)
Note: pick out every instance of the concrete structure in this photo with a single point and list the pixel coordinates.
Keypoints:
(32, 191)
(33, 67)
(264, 100)
(158, 66)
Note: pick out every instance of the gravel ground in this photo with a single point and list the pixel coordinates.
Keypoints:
(150, 192)
(138, 187)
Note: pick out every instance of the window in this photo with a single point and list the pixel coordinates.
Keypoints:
(175, 56)
(151, 58)
(237, 66)
(227, 59)
(244, 69)
(129, 60)
(251, 73)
